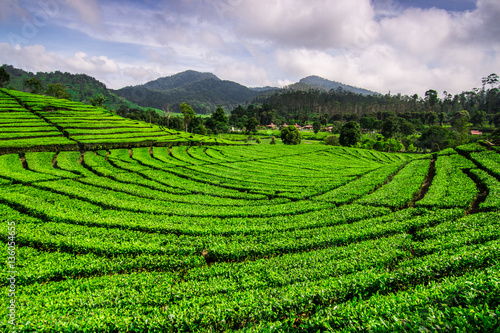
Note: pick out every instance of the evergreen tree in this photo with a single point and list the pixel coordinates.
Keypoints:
(350, 134)
(219, 120)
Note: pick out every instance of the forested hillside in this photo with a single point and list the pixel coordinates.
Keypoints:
(203, 91)
(80, 87)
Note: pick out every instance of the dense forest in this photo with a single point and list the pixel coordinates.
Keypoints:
(301, 106)
(78, 87)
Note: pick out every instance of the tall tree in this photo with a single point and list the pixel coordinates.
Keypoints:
(167, 114)
(496, 120)
(4, 77)
(220, 120)
(478, 118)
(491, 79)
(461, 127)
(350, 134)
(57, 90)
(251, 125)
(34, 85)
(188, 113)
(388, 128)
(98, 100)
(316, 127)
(431, 97)
(435, 138)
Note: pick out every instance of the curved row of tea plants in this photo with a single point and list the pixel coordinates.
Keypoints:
(258, 238)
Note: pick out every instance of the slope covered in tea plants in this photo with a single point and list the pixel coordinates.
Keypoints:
(259, 238)
(30, 122)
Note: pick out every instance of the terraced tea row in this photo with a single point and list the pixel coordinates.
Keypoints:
(29, 121)
(251, 238)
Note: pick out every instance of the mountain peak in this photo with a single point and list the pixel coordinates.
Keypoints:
(322, 83)
(180, 79)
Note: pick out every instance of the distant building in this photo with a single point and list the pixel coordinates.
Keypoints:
(474, 132)
(271, 126)
(308, 126)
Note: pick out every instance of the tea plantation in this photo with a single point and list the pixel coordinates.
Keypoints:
(112, 225)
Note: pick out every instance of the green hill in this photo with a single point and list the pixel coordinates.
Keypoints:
(203, 91)
(81, 87)
(36, 122)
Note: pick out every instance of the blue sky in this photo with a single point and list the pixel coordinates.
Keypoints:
(401, 46)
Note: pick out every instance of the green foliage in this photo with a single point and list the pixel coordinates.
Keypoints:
(388, 128)
(332, 140)
(495, 136)
(200, 129)
(478, 118)
(461, 127)
(34, 85)
(496, 120)
(4, 77)
(188, 114)
(368, 123)
(316, 127)
(436, 138)
(431, 97)
(350, 134)
(251, 125)
(290, 135)
(273, 140)
(98, 100)
(402, 188)
(219, 120)
(57, 90)
(451, 187)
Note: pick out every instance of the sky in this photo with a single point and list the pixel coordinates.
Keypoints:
(396, 46)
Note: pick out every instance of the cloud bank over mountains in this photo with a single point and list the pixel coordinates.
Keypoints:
(382, 45)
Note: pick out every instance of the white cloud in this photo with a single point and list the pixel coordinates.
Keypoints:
(375, 44)
(80, 61)
(36, 58)
(303, 23)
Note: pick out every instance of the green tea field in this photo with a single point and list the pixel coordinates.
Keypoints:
(46, 123)
(224, 238)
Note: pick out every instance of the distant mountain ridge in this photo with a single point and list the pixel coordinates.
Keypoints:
(203, 91)
(321, 83)
(179, 80)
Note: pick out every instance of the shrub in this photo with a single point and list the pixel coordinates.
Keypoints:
(332, 140)
(291, 136)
